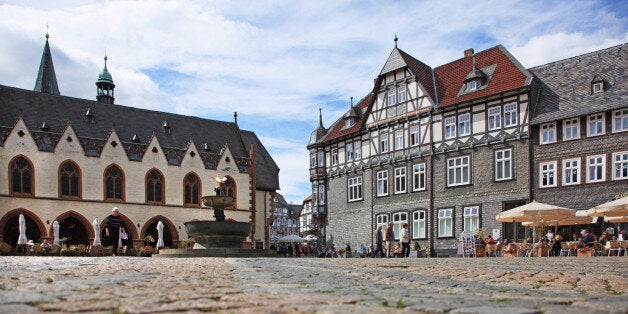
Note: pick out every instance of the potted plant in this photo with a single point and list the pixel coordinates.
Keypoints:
(149, 240)
(187, 243)
(348, 250)
(417, 248)
(585, 251)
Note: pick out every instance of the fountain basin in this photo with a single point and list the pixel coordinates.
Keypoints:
(217, 234)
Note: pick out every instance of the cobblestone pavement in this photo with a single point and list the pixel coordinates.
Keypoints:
(306, 285)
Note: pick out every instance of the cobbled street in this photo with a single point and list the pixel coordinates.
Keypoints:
(309, 285)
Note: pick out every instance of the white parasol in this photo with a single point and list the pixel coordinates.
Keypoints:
(55, 230)
(291, 238)
(96, 226)
(618, 207)
(160, 234)
(22, 227)
(536, 213)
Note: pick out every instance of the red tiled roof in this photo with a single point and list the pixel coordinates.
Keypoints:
(450, 77)
(338, 129)
(422, 72)
(309, 198)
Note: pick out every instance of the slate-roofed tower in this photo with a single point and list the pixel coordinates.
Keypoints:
(105, 86)
(46, 79)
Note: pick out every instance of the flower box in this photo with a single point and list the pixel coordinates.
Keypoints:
(542, 251)
(585, 253)
(509, 254)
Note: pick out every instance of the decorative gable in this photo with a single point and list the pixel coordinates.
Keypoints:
(191, 158)
(394, 62)
(20, 138)
(69, 142)
(598, 84)
(154, 154)
(113, 148)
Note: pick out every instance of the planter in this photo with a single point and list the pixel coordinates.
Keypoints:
(585, 253)
(542, 251)
(506, 254)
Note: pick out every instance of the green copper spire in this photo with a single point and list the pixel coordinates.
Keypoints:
(105, 86)
(46, 79)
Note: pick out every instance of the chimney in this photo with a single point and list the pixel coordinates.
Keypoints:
(468, 52)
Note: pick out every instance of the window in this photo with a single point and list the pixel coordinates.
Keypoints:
(450, 127)
(620, 166)
(445, 223)
(472, 85)
(191, 186)
(494, 118)
(510, 114)
(471, 218)
(321, 194)
(400, 180)
(401, 94)
(321, 158)
(503, 164)
(154, 187)
(357, 150)
(464, 124)
(382, 183)
(418, 177)
(349, 122)
(548, 174)
(391, 97)
(620, 120)
(399, 139)
(383, 142)
(21, 176)
(571, 171)
(597, 87)
(596, 171)
(571, 129)
(114, 183)
(398, 219)
(548, 133)
(230, 189)
(355, 189)
(414, 135)
(349, 149)
(458, 171)
(595, 125)
(69, 180)
(334, 156)
(312, 160)
(418, 224)
(382, 221)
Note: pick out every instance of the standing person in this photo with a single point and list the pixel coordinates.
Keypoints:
(404, 238)
(390, 238)
(112, 228)
(379, 250)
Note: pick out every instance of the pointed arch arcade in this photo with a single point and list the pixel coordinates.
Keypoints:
(34, 226)
(75, 227)
(171, 236)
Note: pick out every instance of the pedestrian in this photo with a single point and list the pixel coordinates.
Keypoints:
(390, 239)
(379, 241)
(404, 238)
(112, 228)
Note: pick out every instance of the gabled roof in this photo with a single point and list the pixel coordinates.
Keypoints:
(46, 79)
(566, 85)
(399, 59)
(509, 74)
(338, 129)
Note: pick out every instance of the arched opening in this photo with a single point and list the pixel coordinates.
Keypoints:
(231, 189)
(11, 231)
(74, 231)
(170, 235)
(106, 241)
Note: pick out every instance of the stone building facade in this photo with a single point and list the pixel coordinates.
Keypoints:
(72, 160)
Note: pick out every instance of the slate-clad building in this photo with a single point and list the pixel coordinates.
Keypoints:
(443, 149)
(71, 160)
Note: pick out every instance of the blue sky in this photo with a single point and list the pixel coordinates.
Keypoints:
(277, 62)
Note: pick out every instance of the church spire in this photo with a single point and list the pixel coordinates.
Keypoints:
(46, 79)
(105, 86)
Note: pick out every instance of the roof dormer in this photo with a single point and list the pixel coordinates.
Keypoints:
(597, 84)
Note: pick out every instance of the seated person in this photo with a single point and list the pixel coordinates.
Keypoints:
(586, 240)
(490, 240)
(45, 246)
(557, 244)
(397, 252)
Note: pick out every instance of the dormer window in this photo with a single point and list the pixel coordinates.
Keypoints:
(597, 84)
(349, 122)
(472, 85)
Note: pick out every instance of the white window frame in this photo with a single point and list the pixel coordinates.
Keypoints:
(357, 150)
(494, 118)
(510, 114)
(547, 174)
(503, 164)
(354, 190)
(472, 85)
(464, 124)
(399, 139)
(620, 165)
(398, 219)
(383, 143)
(349, 151)
(400, 180)
(414, 135)
(312, 159)
(596, 125)
(459, 171)
(471, 218)
(401, 94)
(382, 183)
(321, 194)
(382, 220)
(320, 157)
(548, 133)
(419, 177)
(571, 129)
(445, 223)
(571, 171)
(419, 225)
(620, 120)
(597, 87)
(392, 96)
(334, 156)
(450, 127)
(596, 168)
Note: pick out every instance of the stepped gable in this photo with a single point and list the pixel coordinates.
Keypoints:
(572, 78)
(508, 75)
(338, 129)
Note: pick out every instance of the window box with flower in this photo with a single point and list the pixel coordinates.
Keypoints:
(586, 251)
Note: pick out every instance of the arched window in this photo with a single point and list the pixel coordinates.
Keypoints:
(21, 176)
(191, 188)
(69, 180)
(114, 183)
(154, 187)
(231, 190)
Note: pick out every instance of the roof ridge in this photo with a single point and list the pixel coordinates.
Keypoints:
(604, 50)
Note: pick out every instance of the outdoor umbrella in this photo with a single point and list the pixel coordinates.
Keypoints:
(160, 234)
(291, 238)
(96, 225)
(311, 238)
(616, 219)
(536, 213)
(618, 207)
(55, 229)
(22, 227)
